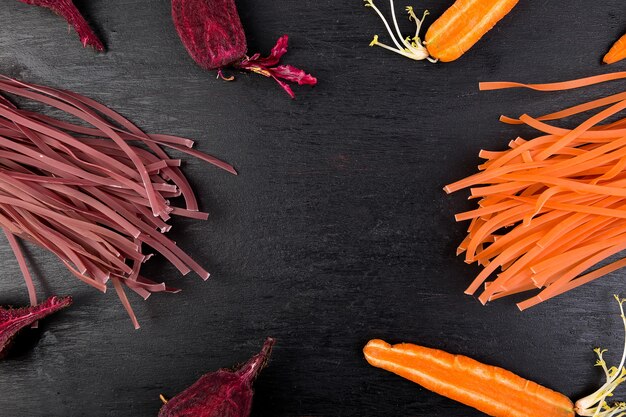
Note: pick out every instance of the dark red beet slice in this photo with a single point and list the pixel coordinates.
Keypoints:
(14, 320)
(224, 393)
(211, 31)
(67, 10)
(213, 35)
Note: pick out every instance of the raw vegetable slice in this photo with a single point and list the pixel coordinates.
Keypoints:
(93, 189)
(14, 320)
(552, 209)
(223, 393)
(69, 12)
(464, 24)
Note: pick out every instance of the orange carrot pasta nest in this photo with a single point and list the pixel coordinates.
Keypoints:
(553, 208)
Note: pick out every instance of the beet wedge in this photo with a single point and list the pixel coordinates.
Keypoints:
(67, 10)
(223, 393)
(14, 320)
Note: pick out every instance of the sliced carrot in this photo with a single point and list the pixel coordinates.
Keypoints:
(492, 390)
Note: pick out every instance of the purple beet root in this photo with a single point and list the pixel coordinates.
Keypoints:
(14, 320)
(211, 31)
(213, 35)
(67, 10)
(224, 393)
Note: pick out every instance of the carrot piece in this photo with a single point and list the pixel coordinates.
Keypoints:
(462, 25)
(450, 36)
(617, 51)
(492, 390)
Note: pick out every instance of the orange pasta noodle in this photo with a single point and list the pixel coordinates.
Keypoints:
(552, 209)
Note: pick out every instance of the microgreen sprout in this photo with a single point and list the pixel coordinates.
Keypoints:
(409, 47)
(595, 405)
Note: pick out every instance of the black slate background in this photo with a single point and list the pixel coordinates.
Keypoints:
(336, 230)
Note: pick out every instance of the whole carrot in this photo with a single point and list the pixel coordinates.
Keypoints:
(492, 390)
(617, 51)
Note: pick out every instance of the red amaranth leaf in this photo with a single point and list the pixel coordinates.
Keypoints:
(69, 12)
(14, 320)
(224, 393)
(212, 33)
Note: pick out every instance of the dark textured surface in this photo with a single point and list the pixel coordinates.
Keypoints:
(335, 232)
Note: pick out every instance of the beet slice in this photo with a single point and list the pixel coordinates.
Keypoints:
(14, 320)
(223, 393)
(69, 12)
(212, 33)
